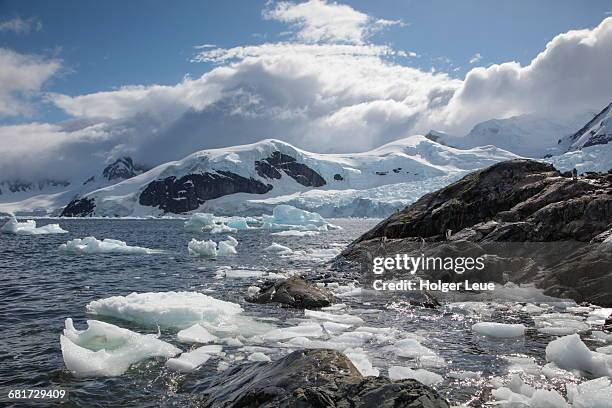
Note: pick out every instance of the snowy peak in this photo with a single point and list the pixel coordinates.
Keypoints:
(272, 168)
(122, 169)
(597, 131)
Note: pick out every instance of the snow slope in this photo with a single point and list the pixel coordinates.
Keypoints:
(524, 135)
(228, 180)
(597, 131)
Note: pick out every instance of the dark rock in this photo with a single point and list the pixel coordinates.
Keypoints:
(294, 292)
(313, 378)
(338, 177)
(301, 173)
(122, 169)
(192, 190)
(81, 207)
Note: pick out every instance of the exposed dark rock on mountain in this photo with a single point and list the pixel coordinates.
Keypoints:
(317, 379)
(301, 173)
(294, 292)
(16, 186)
(189, 192)
(82, 207)
(338, 177)
(122, 169)
(597, 131)
(511, 212)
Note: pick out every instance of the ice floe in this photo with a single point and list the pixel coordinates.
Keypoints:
(91, 245)
(570, 353)
(107, 350)
(421, 375)
(411, 348)
(259, 356)
(275, 248)
(360, 360)
(211, 249)
(330, 317)
(12, 226)
(596, 393)
(560, 324)
(295, 233)
(302, 330)
(167, 309)
(191, 360)
(199, 222)
(499, 330)
(196, 334)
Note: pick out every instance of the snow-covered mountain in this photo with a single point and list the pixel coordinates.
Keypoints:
(242, 178)
(524, 135)
(597, 131)
(44, 195)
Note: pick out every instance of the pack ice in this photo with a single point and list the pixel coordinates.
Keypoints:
(12, 226)
(107, 350)
(91, 245)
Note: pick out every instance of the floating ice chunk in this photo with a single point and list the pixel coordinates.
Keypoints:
(532, 309)
(29, 227)
(227, 272)
(360, 360)
(200, 222)
(598, 316)
(278, 249)
(287, 217)
(196, 334)
(605, 350)
(91, 245)
(227, 248)
(560, 324)
(188, 362)
(295, 233)
(353, 339)
(302, 330)
(222, 229)
(423, 376)
(107, 350)
(167, 309)
(590, 394)
(202, 248)
(238, 223)
(499, 330)
(330, 317)
(601, 336)
(316, 253)
(231, 241)
(570, 353)
(259, 356)
(335, 328)
(519, 394)
(411, 348)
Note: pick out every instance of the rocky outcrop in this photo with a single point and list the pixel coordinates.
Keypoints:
(516, 200)
(272, 166)
(313, 378)
(178, 195)
(532, 224)
(81, 207)
(294, 292)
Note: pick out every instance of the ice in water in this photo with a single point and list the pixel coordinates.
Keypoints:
(91, 245)
(12, 226)
(107, 350)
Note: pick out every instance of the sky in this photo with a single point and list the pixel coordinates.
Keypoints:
(85, 82)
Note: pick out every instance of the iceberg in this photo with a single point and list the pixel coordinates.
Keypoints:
(167, 309)
(287, 217)
(107, 350)
(227, 247)
(199, 222)
(570, 353)
(423, 376)
(91, 245)
(499, 330)
(210, 248)
(29, 227)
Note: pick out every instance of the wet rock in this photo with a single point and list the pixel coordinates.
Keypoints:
(317, 379)
(294, 292)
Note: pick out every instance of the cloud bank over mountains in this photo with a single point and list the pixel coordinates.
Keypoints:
(328, 87)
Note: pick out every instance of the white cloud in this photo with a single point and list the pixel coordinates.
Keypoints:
(21, 78)
(320, 21)
(571, 75)
(21, 26)
(476, 58)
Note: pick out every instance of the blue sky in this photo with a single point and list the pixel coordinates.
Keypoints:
(82, 83)
(104, 45)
